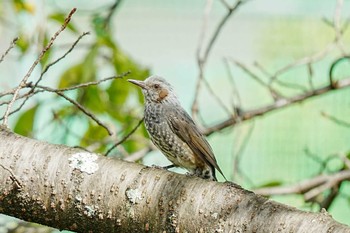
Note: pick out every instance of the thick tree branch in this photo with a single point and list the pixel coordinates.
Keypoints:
(83, 192)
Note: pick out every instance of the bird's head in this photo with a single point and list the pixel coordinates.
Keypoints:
(156, 89)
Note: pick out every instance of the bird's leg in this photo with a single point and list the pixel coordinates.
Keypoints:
(191, 174)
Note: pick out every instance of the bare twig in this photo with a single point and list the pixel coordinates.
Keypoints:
(281, 103)
(336, 120)
(12, 44)
(59, 59)
(337, 27)
(331, 71)
(199, 50)
(327, 202)
(125, 137)
(275, 95)
(45, 88)
(138, 155)
(331, 181)
(281, 83)
(310, 76)
(84, 110)
(111, 11)
(31, 92)
(13, 176)
(239, 153)
(25, 78)
(79, 106)
(16, 110)
(122, 75)
(321, 54)
(202, 59)
(8, 92)
(219, 28)
(304, 61)
(310, 188)
(235, 92)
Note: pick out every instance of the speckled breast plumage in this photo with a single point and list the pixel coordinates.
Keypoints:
(168, 142)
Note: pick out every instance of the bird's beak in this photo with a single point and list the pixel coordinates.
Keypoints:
(138, 83)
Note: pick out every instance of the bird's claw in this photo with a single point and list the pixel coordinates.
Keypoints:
(163, 168)
(190, 174)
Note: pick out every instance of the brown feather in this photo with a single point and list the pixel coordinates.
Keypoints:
(187, 131)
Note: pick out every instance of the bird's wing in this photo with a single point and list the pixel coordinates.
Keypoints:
(184, 127)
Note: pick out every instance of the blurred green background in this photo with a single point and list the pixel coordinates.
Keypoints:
(161, 37)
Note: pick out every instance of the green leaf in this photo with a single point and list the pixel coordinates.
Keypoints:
(22, 43)
(274, 183)
(98, 23)
(21, 5)
(348, 155)
(71, 76)
(92, 97)
(123, 63)
(95, 133)
(25, 122)
(81, 73)
(47, 55)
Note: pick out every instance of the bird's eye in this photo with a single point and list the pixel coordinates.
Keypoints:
(156, 86)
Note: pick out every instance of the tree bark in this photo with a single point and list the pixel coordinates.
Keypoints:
(68, 188)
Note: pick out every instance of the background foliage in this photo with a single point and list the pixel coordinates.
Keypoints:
(279, 148)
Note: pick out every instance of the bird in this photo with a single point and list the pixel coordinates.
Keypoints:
(173, 131)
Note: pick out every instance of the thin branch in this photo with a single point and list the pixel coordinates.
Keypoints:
(275, 95)
(331, 71)
(281, 103)
(13, 176)
(138, 155)
(45, 88)
(304, 61)
(84, 110)
(202, 59)
(331, 181)
(238, 155)
(199, 49)
(125, 137)
(235, 92)
(310, 188)
(122, 75)
(8, 92)
(12, 91)
(216, 97)
(79, 106)
(16, 110)
(31, 92)
(218, 30)
(59, 59)
(337, 27)
(281, 83)
(25, 78)
(310, 76)
(12, 45)
(327, 202)
(336, 120)
(111, 11)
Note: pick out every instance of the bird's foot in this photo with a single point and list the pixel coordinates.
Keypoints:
(163, 168)
(190, 174)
